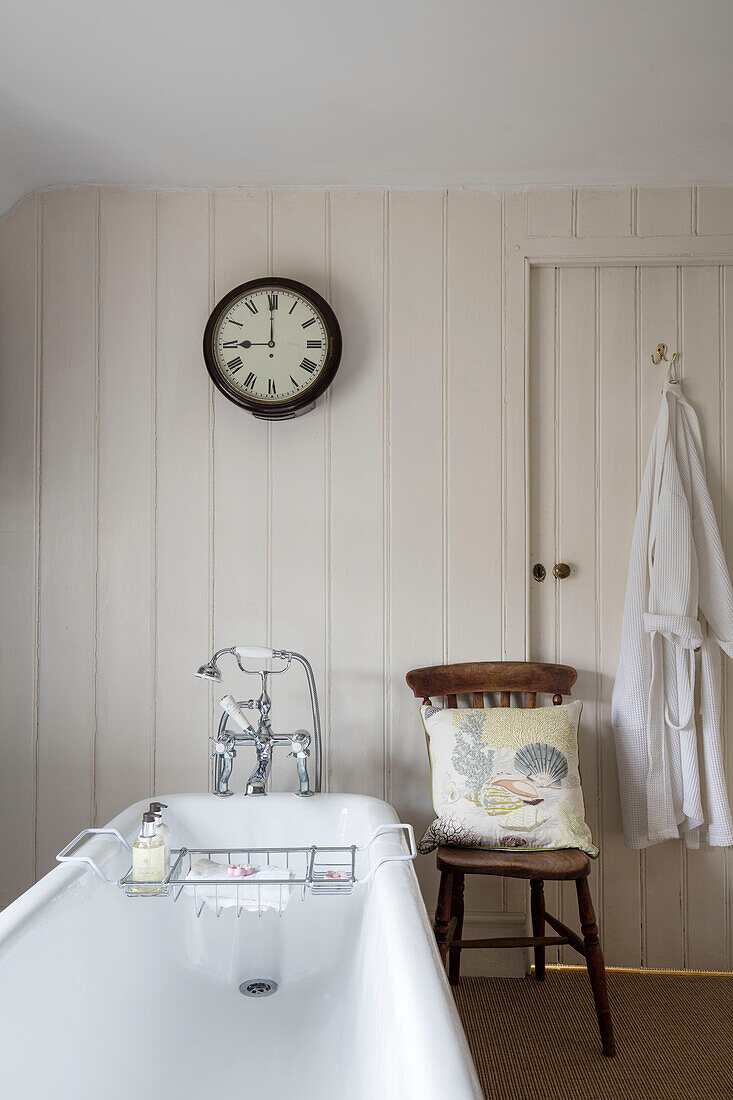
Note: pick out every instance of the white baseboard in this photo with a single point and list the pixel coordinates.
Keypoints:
(493, 962)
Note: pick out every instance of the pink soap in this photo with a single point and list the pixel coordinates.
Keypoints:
(235, 870)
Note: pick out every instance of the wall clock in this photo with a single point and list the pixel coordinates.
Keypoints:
(273, 347)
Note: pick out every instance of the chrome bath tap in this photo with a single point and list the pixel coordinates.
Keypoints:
(261, 737)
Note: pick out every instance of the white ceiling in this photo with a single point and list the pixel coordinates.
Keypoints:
(403, 92)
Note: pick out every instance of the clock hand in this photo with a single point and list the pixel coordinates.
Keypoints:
(249, 344)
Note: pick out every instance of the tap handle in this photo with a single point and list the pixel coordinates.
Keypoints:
(299, 744)
(235, 712)
(223, 748)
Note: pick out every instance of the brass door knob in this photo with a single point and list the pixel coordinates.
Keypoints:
(561, 570)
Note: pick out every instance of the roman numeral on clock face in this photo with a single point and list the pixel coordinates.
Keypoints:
(307, 365)
(230, 343)
(235, 365)
(310, 321)
(250, 381)
(311, 344)
(271, 387)
(272, 302)
(251, 307)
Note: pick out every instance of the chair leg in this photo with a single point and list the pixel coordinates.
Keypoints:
(443, 912)
(454, 957)
(537, 908)
(595, 965)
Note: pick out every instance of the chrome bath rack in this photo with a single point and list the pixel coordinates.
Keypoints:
(316, 869)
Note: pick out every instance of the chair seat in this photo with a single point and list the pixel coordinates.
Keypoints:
(565, 863)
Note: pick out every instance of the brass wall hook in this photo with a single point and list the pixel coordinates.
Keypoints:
(662, 355)
(662, 358)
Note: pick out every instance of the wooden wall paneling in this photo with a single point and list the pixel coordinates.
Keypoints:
(604, 211)
(577, 542)
(472, 383)
(68, 548)
(125, 701)
(515, 374)
(415, 478)
(664, 211)
(301, 567)
(549, 212)
(183, 492)
(727, 537)
(473, 343)
(543, 426)
(714, 211)
(357, 530)
(19, 392)
(515, 456)
(421, 438)
(617, 448)
(241, 550)
(662, 863)
(706, 886)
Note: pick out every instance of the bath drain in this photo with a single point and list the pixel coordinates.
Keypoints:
(260, 987)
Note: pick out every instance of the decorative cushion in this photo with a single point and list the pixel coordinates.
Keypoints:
(506, 777)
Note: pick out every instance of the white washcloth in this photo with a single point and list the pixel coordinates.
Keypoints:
(247, 893)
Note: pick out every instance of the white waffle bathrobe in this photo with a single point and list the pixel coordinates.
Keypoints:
(678, 616)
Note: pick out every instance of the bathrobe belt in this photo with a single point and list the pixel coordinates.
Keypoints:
(675, 685)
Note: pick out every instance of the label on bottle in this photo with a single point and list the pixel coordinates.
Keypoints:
(148, 864)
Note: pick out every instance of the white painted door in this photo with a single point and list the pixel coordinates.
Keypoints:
(594, 398)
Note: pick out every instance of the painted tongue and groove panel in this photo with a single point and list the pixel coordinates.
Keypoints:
(241, 469)
(183, 613)
(300, 559)
(356, 751)
(591, 332)
(382, 531)
(19, 484)
(125, 706)
(662, 933)
(68, 519)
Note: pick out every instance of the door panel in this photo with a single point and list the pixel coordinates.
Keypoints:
(593, 400)
(663, 864)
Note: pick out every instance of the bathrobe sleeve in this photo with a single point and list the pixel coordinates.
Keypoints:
(715, 590)
(716, 611)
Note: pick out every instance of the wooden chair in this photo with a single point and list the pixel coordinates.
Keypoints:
(454, 864)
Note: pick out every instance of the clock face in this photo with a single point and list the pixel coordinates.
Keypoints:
(272, 346)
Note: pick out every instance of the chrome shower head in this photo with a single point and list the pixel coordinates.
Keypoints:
(210, 672)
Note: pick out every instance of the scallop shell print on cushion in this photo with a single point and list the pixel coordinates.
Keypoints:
(505, 777)
(544, 764)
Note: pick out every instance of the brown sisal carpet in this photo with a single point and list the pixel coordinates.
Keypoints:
(539, 1041)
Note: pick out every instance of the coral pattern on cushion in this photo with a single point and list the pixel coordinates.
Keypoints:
(506, 777)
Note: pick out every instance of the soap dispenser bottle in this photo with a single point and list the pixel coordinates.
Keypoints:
(148, 858)
(163, 830)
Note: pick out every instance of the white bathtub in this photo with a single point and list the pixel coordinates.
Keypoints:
(104, 996)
